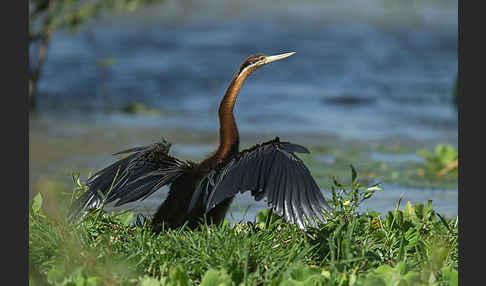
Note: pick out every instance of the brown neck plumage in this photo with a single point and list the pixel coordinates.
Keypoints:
(228, 131)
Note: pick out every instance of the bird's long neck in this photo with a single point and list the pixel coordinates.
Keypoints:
(228, 131)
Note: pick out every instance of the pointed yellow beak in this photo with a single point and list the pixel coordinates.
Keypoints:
(270, 59)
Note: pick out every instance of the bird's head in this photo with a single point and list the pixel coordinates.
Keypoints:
(252, 63)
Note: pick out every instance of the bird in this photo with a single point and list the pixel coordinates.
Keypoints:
(203, 192)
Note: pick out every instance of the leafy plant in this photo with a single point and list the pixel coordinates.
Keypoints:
(347, 198)
(443, 158)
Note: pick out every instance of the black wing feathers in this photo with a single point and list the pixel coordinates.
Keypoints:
(137, 176)
(271, 171)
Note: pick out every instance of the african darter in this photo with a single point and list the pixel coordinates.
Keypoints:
(270, 171)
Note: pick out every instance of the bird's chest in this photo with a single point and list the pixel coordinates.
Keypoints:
(185, 185)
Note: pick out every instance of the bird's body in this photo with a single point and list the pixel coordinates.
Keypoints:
(174, 210)
(204, 191)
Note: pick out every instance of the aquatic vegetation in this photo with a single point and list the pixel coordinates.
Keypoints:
(409, 246)
(142, 109)
(394, 164)
(443, 160)
(105, 62)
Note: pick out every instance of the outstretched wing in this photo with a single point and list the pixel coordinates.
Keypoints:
(136, 176)
(271, 171)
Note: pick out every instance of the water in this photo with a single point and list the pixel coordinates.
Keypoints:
(359, 75)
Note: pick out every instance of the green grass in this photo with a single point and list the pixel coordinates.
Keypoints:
(411, 245)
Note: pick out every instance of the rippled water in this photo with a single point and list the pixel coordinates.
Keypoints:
(350, 80)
